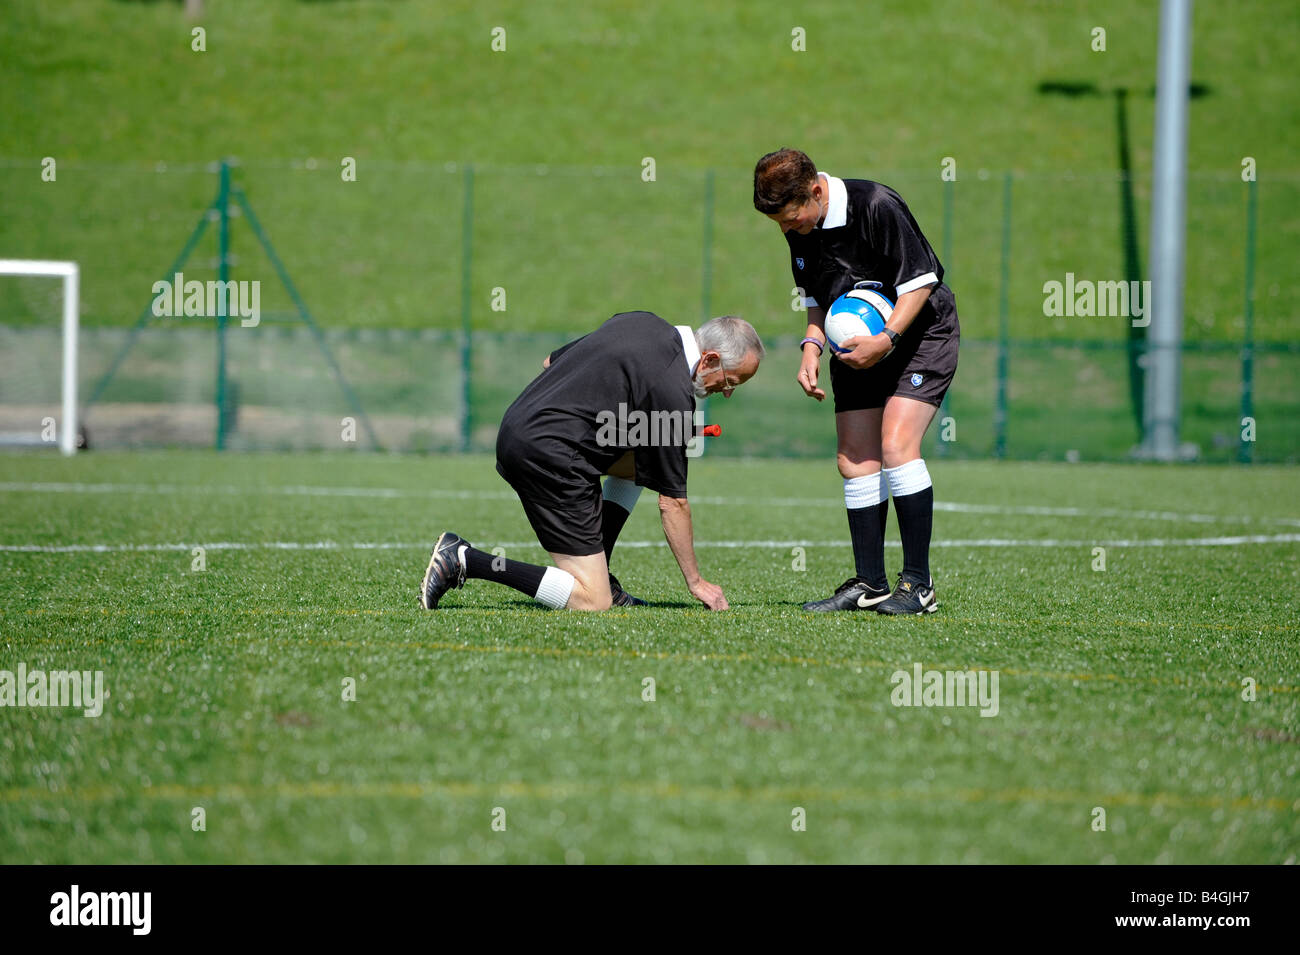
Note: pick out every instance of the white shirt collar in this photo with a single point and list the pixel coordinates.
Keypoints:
(690, 346)
(837, 202)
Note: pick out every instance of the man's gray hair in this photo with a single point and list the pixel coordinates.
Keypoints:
(731, 337)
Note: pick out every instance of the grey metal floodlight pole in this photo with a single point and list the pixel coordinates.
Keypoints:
(1168, 231)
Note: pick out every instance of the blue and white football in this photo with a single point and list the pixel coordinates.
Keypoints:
(858, 312)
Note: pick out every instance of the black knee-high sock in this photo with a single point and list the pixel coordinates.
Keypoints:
(525, 578)
(915, 519)
(867, 531)
(618, 497)
(612, 518)
(914, 501)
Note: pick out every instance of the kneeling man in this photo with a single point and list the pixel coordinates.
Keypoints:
(618, 401)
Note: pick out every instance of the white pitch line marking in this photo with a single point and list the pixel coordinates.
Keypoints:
(63, 487)
(47, 487)
(992, 542)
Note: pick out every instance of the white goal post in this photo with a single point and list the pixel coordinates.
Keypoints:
(68, 272)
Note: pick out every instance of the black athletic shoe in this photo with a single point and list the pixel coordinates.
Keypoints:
(854, 594)
(621, 597)
(910, 597)
(446, 570)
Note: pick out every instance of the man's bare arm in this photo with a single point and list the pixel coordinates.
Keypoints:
(675, 513)
(810, 362)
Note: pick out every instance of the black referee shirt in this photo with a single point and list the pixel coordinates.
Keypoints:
(868, 233)
(559, 427)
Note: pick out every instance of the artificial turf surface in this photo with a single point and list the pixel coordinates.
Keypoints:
(1120, 689)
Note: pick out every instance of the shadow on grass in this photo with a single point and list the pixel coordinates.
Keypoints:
(525, 603)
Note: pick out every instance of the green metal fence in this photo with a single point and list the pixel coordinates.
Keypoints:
(405, 309)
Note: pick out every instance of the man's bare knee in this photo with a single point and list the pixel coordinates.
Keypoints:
(855, 460)
(897, 453)
(590, 593)
(599, 604)
(582, 599)
(590, 580)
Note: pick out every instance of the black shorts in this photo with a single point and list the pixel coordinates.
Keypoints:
(921, 366)
(559, 491)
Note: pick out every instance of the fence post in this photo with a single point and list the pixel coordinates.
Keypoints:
(223, 275)
(1246, 449)
(1000, 409)
(466, 274)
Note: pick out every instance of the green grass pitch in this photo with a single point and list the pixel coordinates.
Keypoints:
(605, 84)
(1120, 688)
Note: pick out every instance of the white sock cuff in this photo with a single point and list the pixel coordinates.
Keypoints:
(908, 478)
(866, 491)
(555, 588)
(622, 492)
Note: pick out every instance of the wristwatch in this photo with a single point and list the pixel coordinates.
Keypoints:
(893, 341)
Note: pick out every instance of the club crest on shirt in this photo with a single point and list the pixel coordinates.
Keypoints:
(799, 262)
(916, 380)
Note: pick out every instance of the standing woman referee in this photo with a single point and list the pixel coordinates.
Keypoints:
(887, 389)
